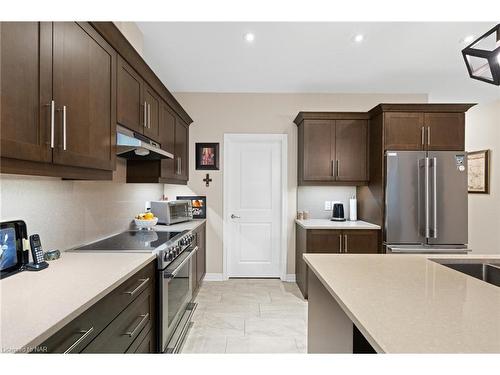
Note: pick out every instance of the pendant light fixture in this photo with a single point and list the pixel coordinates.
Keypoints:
(482, 57)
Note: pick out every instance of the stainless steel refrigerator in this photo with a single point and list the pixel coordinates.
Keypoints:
(426, 202)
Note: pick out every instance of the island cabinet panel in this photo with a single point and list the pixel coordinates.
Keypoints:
(117, 323)
(355, 241)
(25, 63)
(332, 148)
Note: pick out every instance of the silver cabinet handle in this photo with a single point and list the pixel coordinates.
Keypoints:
(333, 168)
(233, 216)
(338, 168)
(145, 114)
(77, 342)
(423, 135)
(136, 329)
(52, 121)
(179, 165)
(149, 116)
(340, 242)
(428, 136)
(142, 283)
(345, 243)
(64, 127)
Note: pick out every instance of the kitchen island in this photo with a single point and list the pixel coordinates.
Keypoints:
(400, 304)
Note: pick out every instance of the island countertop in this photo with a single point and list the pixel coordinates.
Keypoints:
(35, 305)
(411, 304)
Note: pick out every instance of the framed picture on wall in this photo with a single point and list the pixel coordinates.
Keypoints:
(198, 203)
(207, 156)
(478, 172)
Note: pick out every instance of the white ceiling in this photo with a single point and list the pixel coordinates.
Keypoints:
(316, 57)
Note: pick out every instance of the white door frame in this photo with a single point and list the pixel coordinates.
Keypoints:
(283, 138)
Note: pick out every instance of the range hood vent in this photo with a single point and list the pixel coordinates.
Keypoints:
(134, 146)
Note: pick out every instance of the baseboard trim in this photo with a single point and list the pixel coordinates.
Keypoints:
(290, 278)
(213, 277)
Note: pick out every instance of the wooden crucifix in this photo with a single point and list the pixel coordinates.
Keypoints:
(207, 180)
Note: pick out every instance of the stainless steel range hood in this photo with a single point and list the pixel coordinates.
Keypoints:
(134, 146)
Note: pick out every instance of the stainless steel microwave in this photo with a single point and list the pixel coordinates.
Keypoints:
(171, 212)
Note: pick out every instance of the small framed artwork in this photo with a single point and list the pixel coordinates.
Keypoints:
(198, 203)
(207, 156)
(478, 172)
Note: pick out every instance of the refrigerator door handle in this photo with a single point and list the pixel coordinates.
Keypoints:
(426, 200)
(434, 168)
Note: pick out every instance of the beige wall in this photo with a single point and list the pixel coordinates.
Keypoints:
(133, 34)
(215, 114)
(483, 132)
(70, 213)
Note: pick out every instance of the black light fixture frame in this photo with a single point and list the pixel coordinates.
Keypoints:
(490, 56)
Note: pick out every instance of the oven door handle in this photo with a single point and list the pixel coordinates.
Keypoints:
(171, 275)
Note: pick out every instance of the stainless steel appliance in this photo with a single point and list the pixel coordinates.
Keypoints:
(171, 212)
(135, 146)
(174, 251)
(426, 202)
(338, 212)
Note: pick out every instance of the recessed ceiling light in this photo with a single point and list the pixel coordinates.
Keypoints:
(249, 37)
(359, 38)
(468, 39)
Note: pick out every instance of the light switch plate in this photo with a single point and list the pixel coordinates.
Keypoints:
(328, 205)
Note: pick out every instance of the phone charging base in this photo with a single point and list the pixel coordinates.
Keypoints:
(36, 266)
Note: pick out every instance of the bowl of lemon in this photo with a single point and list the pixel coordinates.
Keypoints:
(146, 220)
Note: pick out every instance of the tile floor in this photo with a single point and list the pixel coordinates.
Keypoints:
(248, 316)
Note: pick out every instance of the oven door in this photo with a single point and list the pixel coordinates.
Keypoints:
(176, 294)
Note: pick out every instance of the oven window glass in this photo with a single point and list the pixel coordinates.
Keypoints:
(178, 292)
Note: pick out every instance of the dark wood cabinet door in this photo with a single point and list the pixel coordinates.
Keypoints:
(445, 131)
(201, 256)
(324, 241)
(152, 101)
(129, 100)
(167, 140)
(84, 87)
(351, 150)
(318, 150)
(403, 131)
(181, 160)
(26, 90)
(359, 241)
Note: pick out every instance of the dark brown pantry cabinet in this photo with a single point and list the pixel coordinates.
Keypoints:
(331, 241)
(58, 91)
(333, 148)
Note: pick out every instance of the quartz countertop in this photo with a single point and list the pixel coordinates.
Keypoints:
(186, 225)
(411, 304)
(35, 305)
(328, 224)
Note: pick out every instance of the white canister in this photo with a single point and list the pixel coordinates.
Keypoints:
(353, 209)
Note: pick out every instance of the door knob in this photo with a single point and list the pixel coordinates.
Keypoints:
(233, 216)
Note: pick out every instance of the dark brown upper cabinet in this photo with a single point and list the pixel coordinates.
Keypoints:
(25, 63)
(181, 155)
(432, 127)
(58, 91)
(152, 106)
(84, 94)
(333, 148)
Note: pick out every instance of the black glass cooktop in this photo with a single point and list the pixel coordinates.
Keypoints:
(140, 240)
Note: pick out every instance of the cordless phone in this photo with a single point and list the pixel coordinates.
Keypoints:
(37, 254)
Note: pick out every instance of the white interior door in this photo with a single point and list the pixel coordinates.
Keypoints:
(253, 204)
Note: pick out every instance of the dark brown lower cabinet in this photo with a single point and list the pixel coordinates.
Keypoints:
(124, 321)
(354, 241)
(198, 268)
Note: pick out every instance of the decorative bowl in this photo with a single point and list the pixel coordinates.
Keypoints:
(146, 224)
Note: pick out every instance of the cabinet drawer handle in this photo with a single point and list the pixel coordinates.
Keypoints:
(340, 242)
(132, 333)
(142, 283)
(77, 342)
(345, 243)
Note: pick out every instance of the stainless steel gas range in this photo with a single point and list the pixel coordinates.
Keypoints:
(174, 251)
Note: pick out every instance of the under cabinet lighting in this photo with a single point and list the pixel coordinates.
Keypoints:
(249, 37)
(359, 38)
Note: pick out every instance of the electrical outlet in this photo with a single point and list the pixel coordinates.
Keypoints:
(328, 205)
